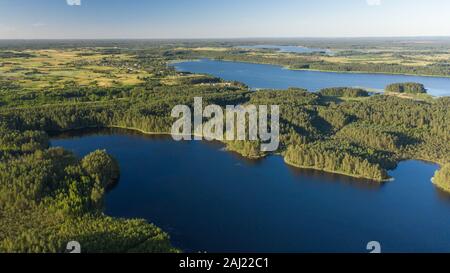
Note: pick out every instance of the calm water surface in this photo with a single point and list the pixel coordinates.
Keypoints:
(276, 77)
(288, 49)
(211, 200)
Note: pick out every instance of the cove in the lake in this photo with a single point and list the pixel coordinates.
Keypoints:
(211, 200)
(259, 76)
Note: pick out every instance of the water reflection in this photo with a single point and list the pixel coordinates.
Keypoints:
(311, 174)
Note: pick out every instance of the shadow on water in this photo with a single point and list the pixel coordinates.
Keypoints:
(91, 132)
(359, 183)
(442, 195)
(300, 174)
(88, 132)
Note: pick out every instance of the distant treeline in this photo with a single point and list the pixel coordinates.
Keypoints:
(432, 70)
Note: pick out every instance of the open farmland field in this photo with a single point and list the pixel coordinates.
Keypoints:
(57, 68)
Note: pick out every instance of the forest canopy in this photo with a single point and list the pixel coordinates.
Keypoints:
(344, 92)
(442, 178)
(408, 87)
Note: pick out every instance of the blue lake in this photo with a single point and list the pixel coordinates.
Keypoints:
(276, 77)
(211, 200)
(288, 49)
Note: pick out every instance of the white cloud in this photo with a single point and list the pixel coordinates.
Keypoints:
(373, 2)
(73, 2)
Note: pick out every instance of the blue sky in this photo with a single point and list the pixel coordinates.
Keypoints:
(222, 18)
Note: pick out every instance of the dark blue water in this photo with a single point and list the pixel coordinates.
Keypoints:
(288, 49)
(276, 77)
(211, 200)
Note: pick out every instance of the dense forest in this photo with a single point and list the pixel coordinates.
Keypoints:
(48, 196)
(442, 178)
(409, 87)
(369, 128)
(344, 92)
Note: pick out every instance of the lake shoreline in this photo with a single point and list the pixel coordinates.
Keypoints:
(143, 132)
(310, 69)
(337, 172)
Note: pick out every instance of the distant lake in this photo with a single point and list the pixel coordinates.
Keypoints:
(288, 49)
(276, 77)
(211, 200)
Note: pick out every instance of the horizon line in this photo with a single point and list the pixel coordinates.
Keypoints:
(229, 38)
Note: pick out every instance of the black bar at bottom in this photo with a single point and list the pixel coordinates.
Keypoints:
(218, 262)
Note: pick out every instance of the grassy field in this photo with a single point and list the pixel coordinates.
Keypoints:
(363, 56)
(56, 68)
